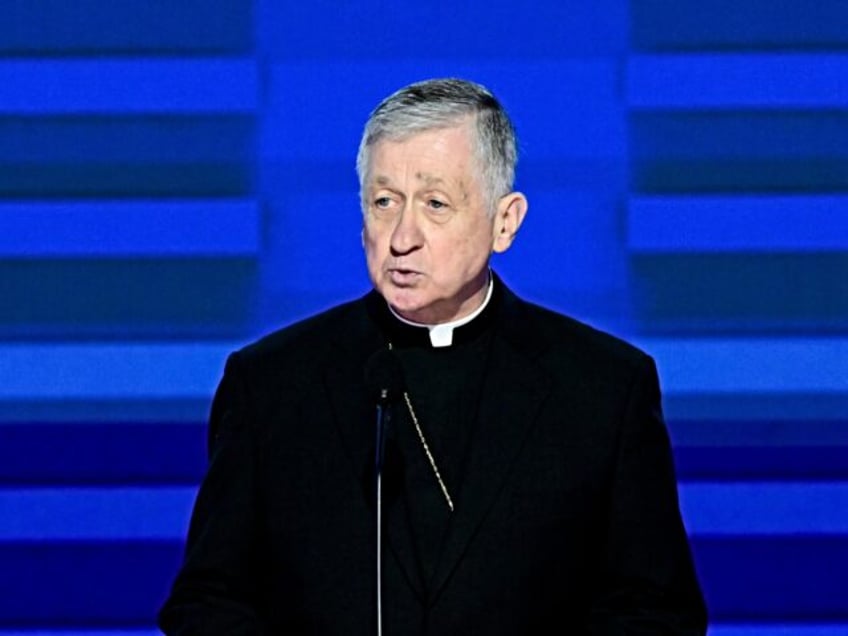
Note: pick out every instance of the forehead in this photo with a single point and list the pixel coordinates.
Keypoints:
(429, 154)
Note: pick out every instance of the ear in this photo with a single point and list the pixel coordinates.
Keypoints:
(508, 218)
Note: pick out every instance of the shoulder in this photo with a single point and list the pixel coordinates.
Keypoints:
(566, 330)
(565, 342)
(307, 333)
(296, 350)
(597, 373)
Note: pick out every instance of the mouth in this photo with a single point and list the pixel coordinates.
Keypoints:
(403, 277)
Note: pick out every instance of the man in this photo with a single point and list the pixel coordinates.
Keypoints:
(527, 483)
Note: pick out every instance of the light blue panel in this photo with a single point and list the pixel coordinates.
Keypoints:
(192, 370)
(570, 240)
(716, 365)
(62, 514)
(739, 508)
(496, 30)
(734, 81)
(128, 86)
(744, 223)
(567, 108)
(152, 228)
(111, 371)
(95, 514)
(317, 243)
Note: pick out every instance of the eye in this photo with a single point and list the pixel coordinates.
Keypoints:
(382, 202)
(435, 204)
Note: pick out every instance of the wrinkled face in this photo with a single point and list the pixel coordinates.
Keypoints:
(426, 233)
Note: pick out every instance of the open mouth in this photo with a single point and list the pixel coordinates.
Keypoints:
(401, 276)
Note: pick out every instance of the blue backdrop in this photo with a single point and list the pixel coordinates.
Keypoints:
(177, 178)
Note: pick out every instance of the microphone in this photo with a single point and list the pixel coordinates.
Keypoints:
(384, 376)
(384, 379)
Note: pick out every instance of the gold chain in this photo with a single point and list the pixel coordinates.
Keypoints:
(427, 452)
(426, 448)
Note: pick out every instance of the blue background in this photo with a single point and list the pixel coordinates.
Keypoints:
(177, 178)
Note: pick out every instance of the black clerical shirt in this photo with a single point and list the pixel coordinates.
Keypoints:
(444, 388)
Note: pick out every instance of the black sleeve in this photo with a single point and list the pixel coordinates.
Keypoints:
(649, 584)
(215, 591)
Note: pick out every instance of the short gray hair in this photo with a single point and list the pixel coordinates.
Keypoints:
(445, 103)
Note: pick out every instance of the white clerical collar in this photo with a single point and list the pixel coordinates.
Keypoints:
(442, 335)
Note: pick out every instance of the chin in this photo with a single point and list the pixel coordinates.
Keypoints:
(405, 302)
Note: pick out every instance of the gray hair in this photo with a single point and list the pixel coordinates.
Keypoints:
(445, 103)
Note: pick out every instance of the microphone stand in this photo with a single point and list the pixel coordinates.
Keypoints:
(382, 420)
(384, 377)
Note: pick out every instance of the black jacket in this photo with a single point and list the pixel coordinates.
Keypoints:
(567, 521)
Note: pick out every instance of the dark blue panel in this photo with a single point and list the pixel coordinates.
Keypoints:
(124, 410)
(123, 298)
(748, 223)
(469, 30)
(138, 453)
(39, 27)
(782, 430)
(160, 453)
(733, 25)
(756, 578)
(721, 292)
(102, 454)
(733, 152)
(126, 157)
(84, 584)
(771, 408)
(178, 141)
(728, 463)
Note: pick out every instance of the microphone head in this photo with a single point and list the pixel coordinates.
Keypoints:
(384, 375)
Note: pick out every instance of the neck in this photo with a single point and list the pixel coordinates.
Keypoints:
(441, 334)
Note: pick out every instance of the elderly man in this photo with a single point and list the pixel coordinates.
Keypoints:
(520, 480)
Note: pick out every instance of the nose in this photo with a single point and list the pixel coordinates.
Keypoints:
(406, 235)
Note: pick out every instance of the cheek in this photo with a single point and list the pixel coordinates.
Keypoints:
(471, 249)
(369, 237)
(375, 246)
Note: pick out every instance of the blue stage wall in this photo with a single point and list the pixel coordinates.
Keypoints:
(177, 178)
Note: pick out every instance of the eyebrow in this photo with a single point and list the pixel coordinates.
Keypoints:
(429, 179)
(421, 176)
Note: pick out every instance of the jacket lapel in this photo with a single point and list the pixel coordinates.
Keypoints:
(513, 391)
(514, 388)
(355, 417)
